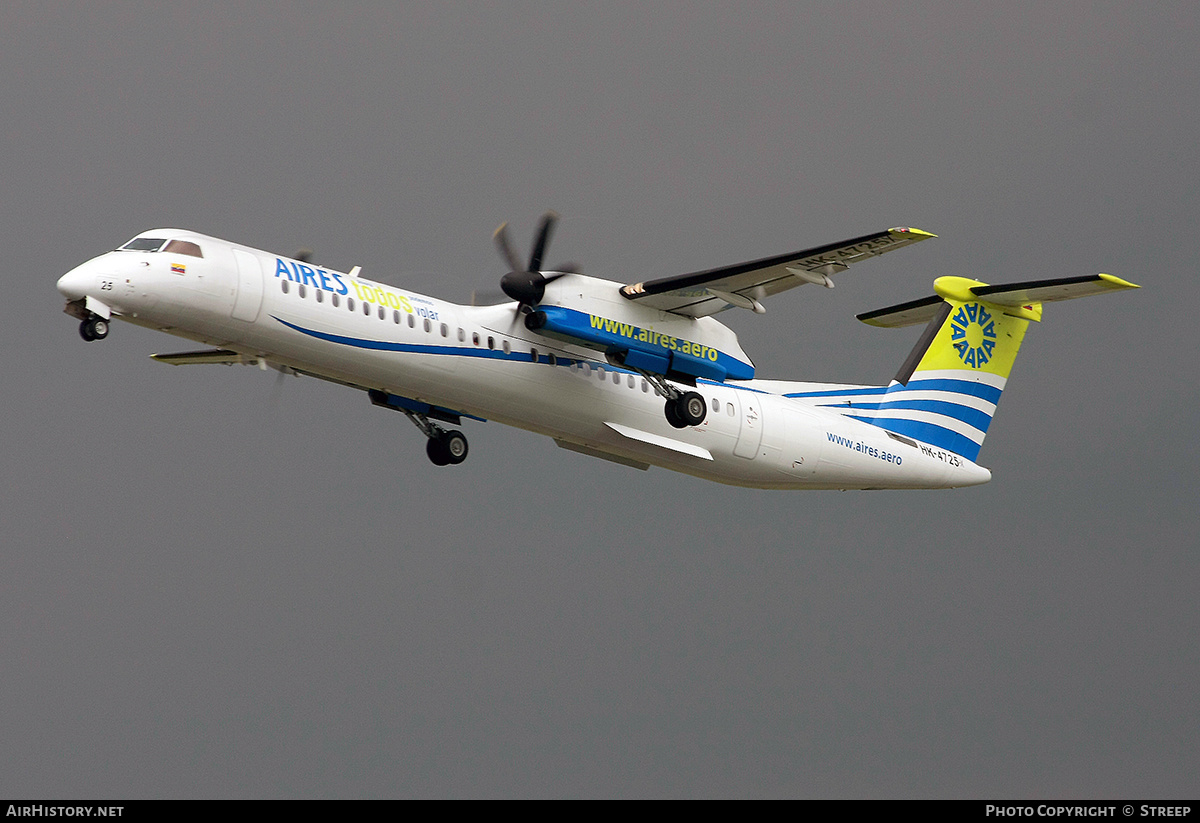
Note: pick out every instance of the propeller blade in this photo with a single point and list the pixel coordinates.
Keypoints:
(506, 251)
(543, 239)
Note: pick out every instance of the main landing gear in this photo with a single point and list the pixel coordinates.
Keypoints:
(683, 409)
(93, 328)
(687, 409)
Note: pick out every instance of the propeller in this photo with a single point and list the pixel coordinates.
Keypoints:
(527, 285)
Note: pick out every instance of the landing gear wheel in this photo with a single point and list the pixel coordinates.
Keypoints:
(672, 413)
(94, 328)
(455, 446)
(692, 408)
(688, 409)
(436, 451)
(447, 448)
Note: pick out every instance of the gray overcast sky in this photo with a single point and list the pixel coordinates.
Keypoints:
(213, 585)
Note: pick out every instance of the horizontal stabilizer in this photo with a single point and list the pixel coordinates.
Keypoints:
(1050, 291)
(1016, 295)
(904, 314)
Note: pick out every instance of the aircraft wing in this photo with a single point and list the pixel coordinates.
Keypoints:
(744, 285)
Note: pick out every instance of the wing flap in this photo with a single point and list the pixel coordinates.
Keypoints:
(745, 284)
(669, 443)
(223, 356)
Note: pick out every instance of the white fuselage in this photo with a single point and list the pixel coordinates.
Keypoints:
(483, 361)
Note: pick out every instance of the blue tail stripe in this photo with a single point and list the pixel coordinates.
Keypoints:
(929, 433)
(972, 417)
(969, 387)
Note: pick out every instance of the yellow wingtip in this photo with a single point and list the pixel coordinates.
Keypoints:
(1118, 283)
(909, 230)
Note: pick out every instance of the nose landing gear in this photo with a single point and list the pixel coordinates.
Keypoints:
(93, 328)
(92, 316)
(444, 447)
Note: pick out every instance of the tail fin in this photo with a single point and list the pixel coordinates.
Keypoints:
(947, 390)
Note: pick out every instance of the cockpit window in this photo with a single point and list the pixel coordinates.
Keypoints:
(143, 244)
(183, 247)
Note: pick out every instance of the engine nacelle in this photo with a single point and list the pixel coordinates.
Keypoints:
(639, 347)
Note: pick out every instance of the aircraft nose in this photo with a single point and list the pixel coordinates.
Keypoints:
(74, 284)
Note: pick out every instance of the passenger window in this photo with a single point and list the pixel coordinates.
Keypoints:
(428, 326)
(283, 284)
(320, 295)
(716, 406)
(491, 342)
(462, 336)
(300, 290)
(396, 316)
(507, 348)
(334, 299)
(183, 247)
(382, 313)
(445, 330)
(475, 337)
(600, 373)
(350, 303)
(367, 309)
(645, 386)
(412, 322)
(729, 409)
(631, 381)
(616, 378)
(587, 369)
(551, 359)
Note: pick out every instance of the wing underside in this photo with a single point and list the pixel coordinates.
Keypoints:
(745, 285)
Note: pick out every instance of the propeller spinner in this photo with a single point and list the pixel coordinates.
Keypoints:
(527, 285)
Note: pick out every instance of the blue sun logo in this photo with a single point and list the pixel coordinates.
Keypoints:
(973, 334)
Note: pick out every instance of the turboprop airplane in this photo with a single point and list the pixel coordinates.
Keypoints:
(640, 374)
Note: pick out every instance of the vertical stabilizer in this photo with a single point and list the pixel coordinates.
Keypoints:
(946, 392)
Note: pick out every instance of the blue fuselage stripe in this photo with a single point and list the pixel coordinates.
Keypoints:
(414, 348)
